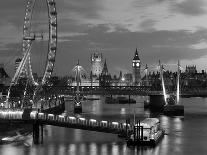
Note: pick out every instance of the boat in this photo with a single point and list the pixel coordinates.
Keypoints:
(92, 98)
(125, 100)
(119, 100)
(15, 138)
(111, 100)
(146, 133)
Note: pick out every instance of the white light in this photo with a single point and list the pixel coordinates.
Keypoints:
(103, 121)
(61, 116)
(115, 123)
(5, 138)
(124, 124)
(71, 117)
(92, 120)
(82, 119)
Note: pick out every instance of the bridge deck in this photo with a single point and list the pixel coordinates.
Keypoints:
(65, 121)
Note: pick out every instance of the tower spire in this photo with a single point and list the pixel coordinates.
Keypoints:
(136, 69)
(105, 69)
(136, 56)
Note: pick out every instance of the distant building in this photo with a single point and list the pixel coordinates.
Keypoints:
(191, 69)
(136, 66)
(96, 64)
(128, 79)
(4, 77)
(105, 77)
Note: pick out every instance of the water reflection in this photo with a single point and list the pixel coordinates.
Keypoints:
(77, 135)
(183, 136)
(104, 149)
(123, 111)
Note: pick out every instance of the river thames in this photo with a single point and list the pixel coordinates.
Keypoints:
(184, 135)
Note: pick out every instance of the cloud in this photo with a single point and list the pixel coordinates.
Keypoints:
(148, 25)
(190, 7)
(70, 34)
(135, 15)
(158, 28)
(200, 45)
(9, 34)
(119, 47)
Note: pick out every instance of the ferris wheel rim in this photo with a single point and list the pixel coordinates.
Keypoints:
(52, 40)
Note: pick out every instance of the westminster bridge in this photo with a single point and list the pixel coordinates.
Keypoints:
(117, 90)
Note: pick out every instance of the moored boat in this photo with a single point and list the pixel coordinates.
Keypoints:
(146, 133)
(119, 100)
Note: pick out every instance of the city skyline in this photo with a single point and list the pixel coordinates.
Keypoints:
(159, 29)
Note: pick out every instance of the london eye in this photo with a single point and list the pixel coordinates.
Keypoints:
(39, 43)
(37, 32)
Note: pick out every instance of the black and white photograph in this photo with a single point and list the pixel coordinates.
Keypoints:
(103, 77)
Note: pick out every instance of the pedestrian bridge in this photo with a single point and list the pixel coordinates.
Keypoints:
(34, 117)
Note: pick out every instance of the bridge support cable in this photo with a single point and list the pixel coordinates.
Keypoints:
(30, 75)
(21, 66)
(178, 83)
(163, 83)
(146, 74)
(18, 73)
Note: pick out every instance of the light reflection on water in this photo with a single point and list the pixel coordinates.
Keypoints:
(184, 135)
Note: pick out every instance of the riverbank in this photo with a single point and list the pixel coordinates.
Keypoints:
(10, 129)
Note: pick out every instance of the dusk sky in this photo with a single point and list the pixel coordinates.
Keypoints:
(160, 29)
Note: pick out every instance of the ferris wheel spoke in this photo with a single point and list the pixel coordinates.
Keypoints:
(29, 36)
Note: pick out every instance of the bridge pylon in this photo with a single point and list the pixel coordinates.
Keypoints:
(37, 132)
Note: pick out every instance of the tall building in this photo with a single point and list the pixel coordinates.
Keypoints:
(105, 77)
(191, 69)
(4, 77)
(136, 65)
(96, 64)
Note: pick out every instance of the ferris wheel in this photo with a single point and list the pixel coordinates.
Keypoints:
(30, 37)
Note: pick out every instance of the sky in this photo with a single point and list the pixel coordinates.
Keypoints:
(165, 30)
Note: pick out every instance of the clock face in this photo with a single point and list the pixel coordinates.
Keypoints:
(135, 64)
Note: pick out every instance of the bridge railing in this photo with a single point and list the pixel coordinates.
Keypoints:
(11, 114)
(67, 120)
(80, 121)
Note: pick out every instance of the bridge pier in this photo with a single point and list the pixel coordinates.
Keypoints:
(37, 132)
(157, 102)
(77, 108)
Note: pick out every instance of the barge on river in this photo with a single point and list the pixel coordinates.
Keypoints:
(146, 133)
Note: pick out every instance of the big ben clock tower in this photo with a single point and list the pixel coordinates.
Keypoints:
(136, 65)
